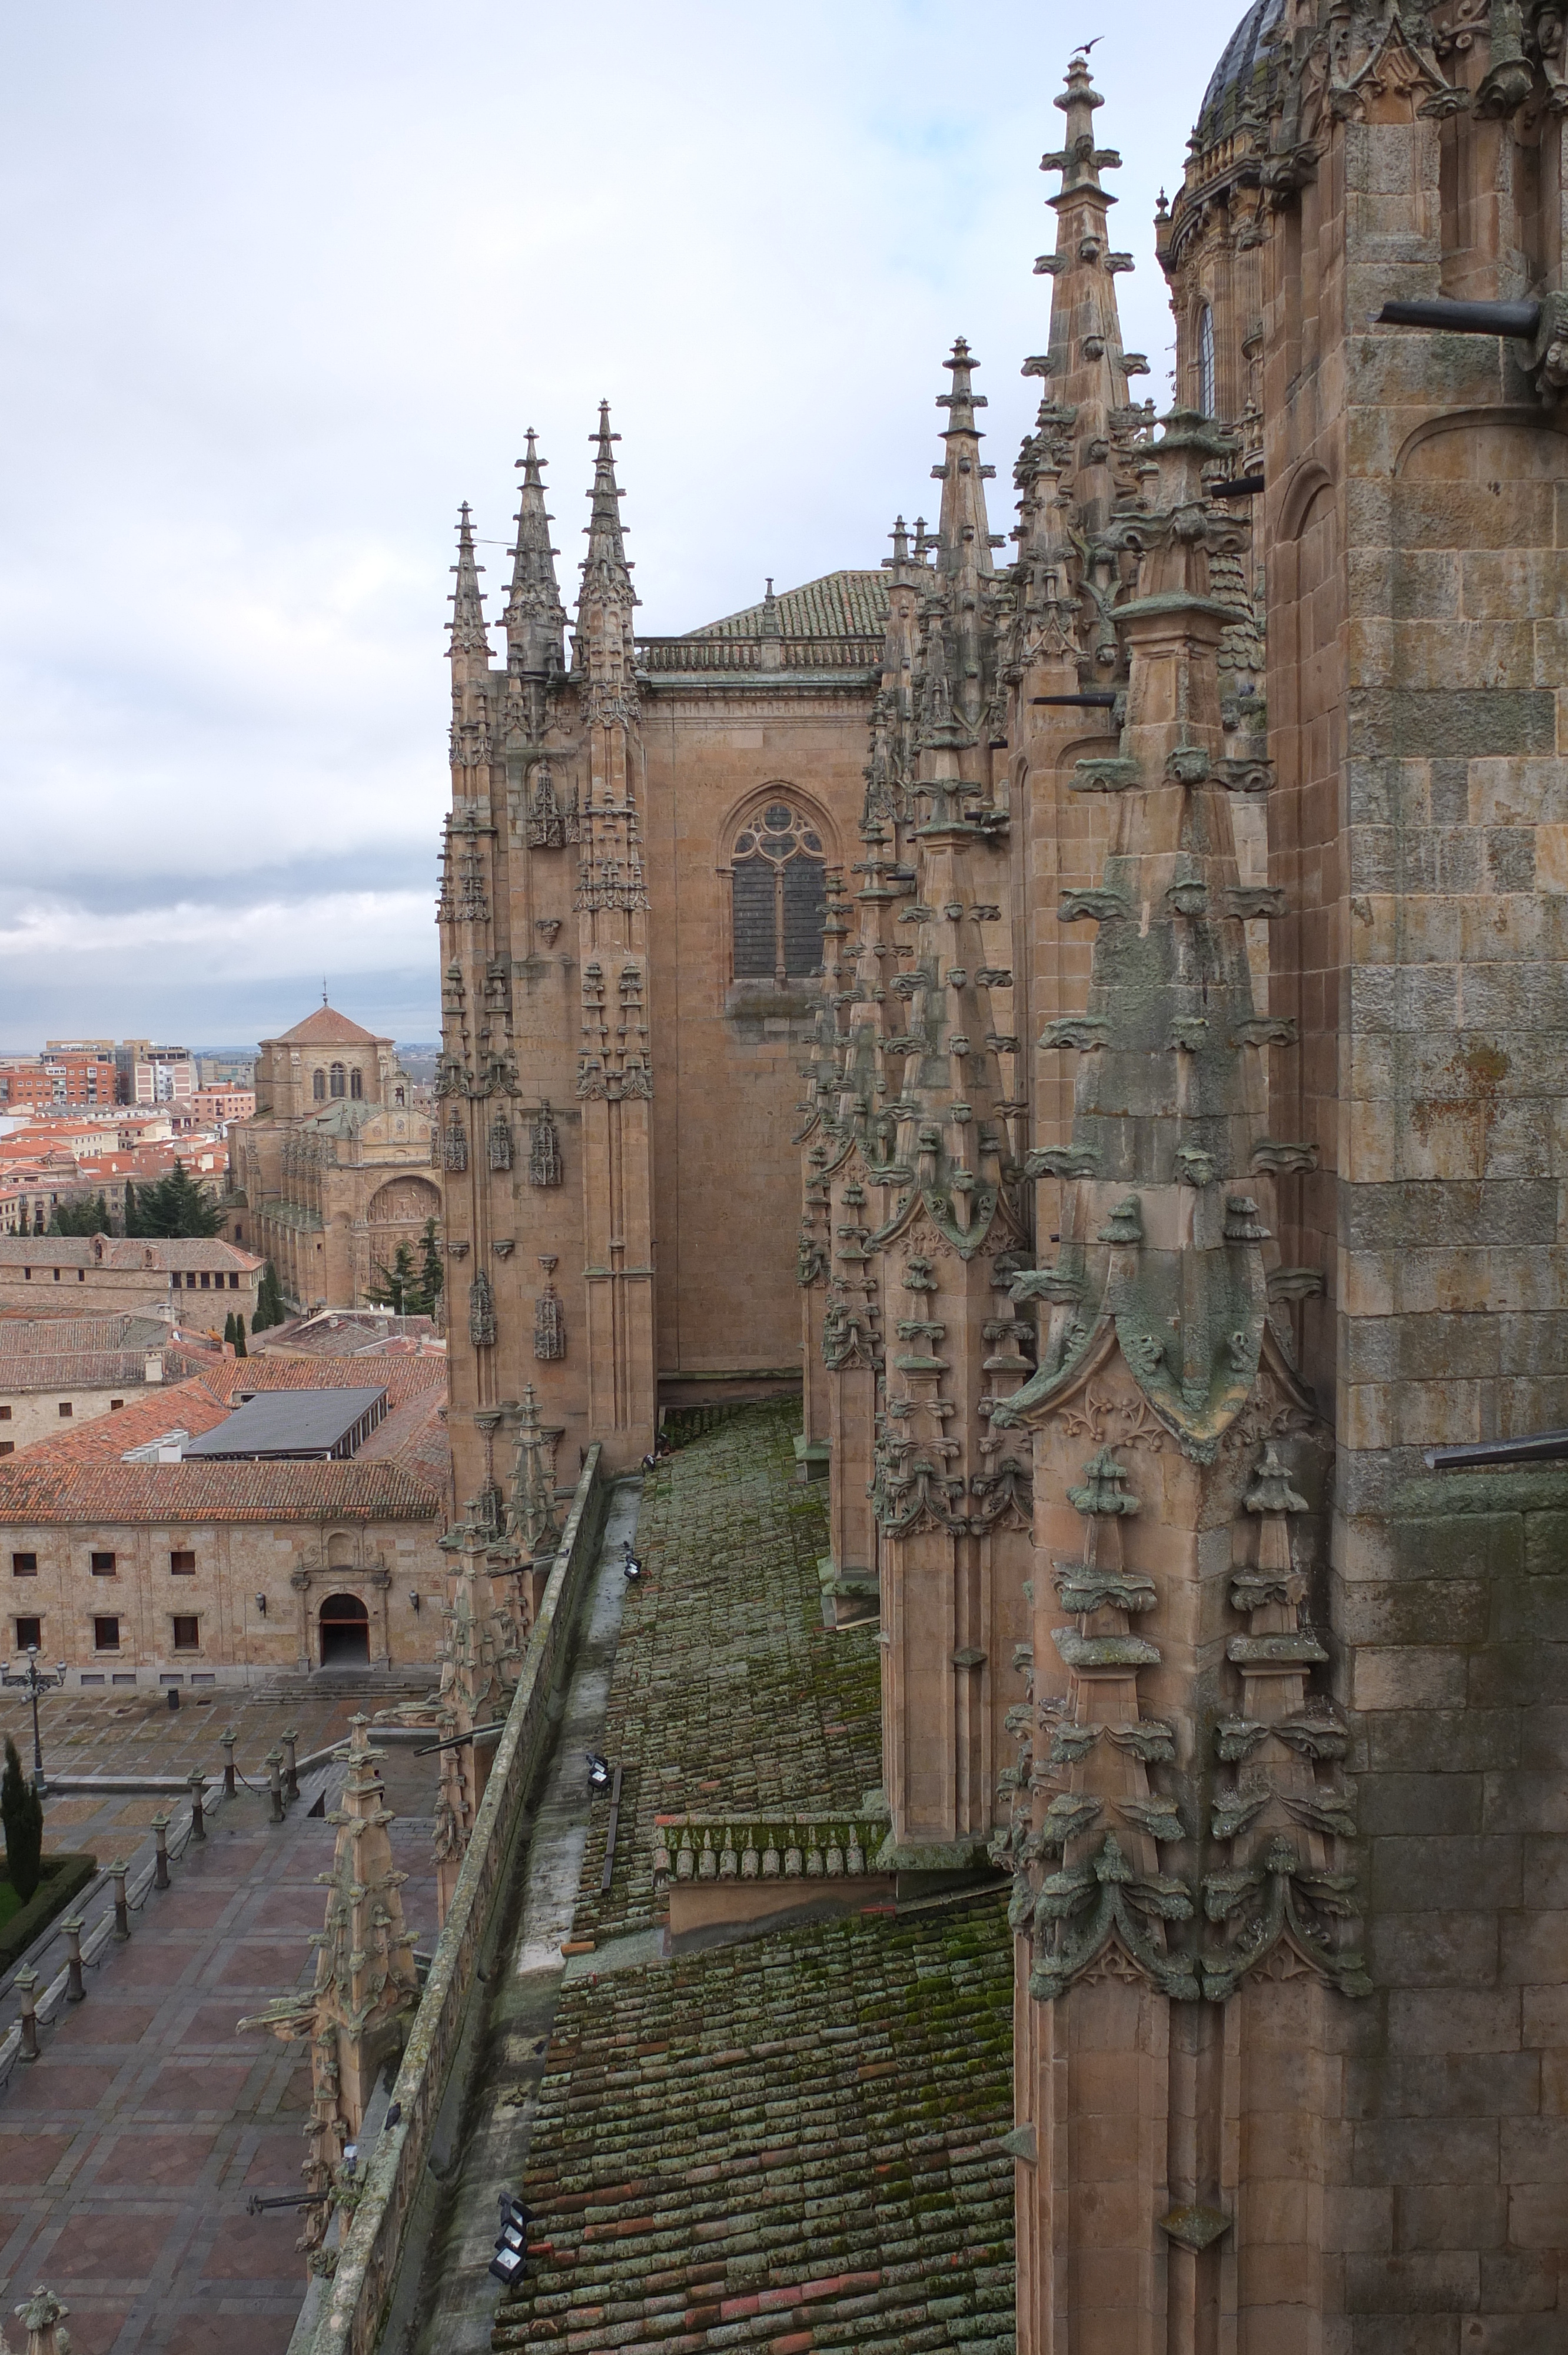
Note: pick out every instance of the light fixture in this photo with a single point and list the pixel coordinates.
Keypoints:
(598, 1771)
(414, 1597)
(631, 1566)
(511, 2259)
(261, 1605)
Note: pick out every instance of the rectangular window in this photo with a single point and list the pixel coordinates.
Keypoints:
(188, 1637)
(103, 1566)
(206, 1281)
(29, 1634)
(8, 1447)
(24, 1565)
(115, 1405)
(234, 1284)
(65, 1409)
(175, 1281)
(106, 1635)
(4, 1414)
(182, 1561)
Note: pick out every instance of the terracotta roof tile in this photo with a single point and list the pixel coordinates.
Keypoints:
(327, 1027)
(839, 604)
(191, 1406)
(182, 1252)
(162, 1493)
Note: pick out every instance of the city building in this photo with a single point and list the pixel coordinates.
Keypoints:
(140, 1554)
(68, 1369)
(149, 1075)
(332, 1173)
(1176, 1170)
(201, 1282)
(67, 1075)
(223, 1103)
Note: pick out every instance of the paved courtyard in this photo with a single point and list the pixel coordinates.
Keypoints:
(128, 2150)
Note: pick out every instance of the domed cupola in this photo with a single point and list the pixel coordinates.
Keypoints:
(1233, 78)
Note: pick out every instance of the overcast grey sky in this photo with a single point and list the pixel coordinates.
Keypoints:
(281, 283)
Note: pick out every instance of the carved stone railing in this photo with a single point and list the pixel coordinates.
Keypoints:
(361, 2288)
(687, 654)
(713, 1871)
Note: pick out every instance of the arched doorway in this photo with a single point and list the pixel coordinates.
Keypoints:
(345, 1631)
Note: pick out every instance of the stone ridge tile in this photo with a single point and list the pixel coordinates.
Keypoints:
(728, 1691)
(883, 2219)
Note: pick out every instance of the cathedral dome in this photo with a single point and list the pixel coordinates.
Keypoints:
(1232, 79)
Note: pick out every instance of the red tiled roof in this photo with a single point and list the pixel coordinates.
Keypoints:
(413, 1434)
(119, 1253)
(401, 1378)
(74, 1370)
(35, 1493)
(190, 1406)
(24, 1334)
(327, 1027)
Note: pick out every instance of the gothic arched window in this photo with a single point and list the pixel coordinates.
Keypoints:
(318, 1086)
(357, 1085)
(1205, 359)
(339, 1079)
(779, 898)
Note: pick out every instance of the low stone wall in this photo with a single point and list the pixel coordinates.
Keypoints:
(362, 2286)
(715, 1871)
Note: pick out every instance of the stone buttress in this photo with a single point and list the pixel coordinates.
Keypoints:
(1180, 1893)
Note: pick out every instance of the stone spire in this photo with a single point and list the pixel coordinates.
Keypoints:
(959, 617)
(606, 575)
(356, 2013)
(536, 618)
(470, 641)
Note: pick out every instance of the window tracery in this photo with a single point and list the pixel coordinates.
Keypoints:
(778, 895)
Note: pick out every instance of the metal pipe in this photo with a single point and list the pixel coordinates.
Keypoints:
(456, 1740)
(1097, 700)
(1535, 1447)
(1240, 486)
(1519, 320)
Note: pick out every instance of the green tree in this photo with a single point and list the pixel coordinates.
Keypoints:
(228, 1326)
(21, 1813)
(87, 1217)
(432, 1274)
(396, 1288)
(239, 1349)
(269, 1308)
(174, 1206)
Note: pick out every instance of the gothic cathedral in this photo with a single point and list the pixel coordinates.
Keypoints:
(1165, 908)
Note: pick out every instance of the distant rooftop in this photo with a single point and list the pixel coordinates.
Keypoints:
(327, 1027)
(838, 604)
(297, 1425)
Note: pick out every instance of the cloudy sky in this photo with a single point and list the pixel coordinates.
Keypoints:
(281, 283)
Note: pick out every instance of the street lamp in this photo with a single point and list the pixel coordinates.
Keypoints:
(34, 1683)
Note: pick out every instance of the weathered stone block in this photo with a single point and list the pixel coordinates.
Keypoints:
(1443, 2216)
(1471, 1874)
(1462, 723)
(1431, 2281)
(1414, 1950)
(1408, 2151)
(1420, 1804)
(1487, 1546)
(1450, 2020)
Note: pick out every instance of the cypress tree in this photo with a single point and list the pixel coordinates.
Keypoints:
(22, 1815)
(239, 1349)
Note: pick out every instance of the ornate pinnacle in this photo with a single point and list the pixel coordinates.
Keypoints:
(536, 618)
(467, 601)
(605, 568)
(1271, 1491)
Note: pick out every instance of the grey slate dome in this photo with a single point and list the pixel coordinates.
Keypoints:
(1232, 78)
